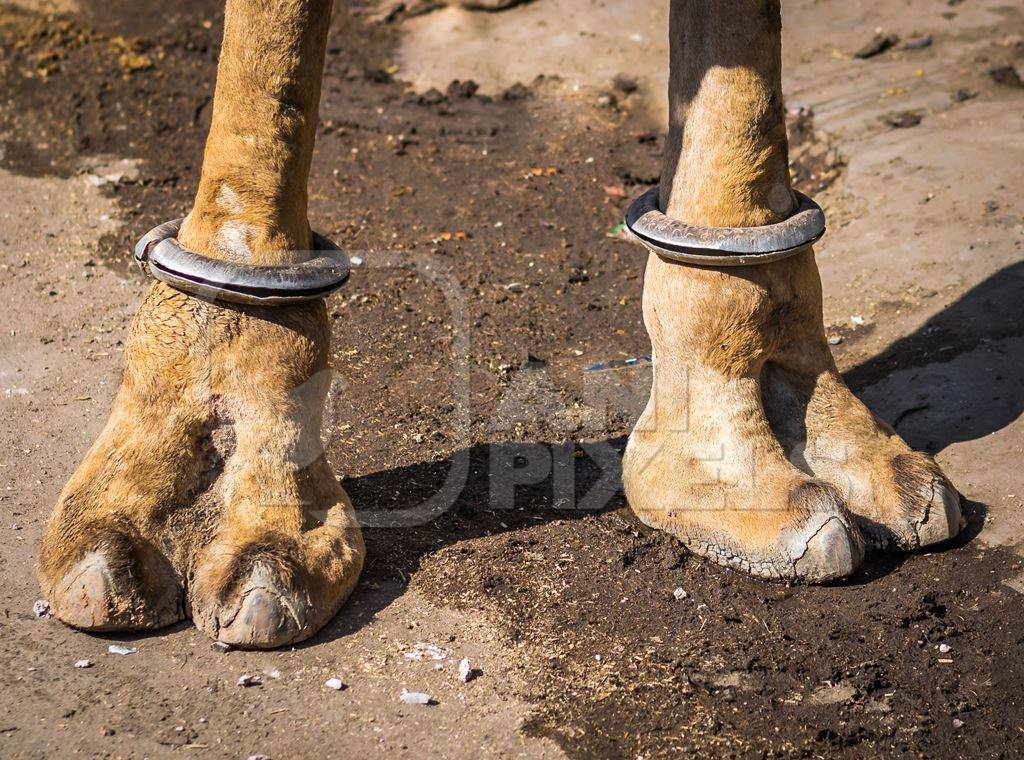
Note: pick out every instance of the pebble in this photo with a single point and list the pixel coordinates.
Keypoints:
(249, 679)
(466, 672)
(334, 683)
(220, 647)
(41, 608)
(944, 648)
(957, 723)
(680, 594)
(83, 664)
(121, 649)
(835, 340)
(415, 698)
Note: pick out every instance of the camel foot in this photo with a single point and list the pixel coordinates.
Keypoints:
(120, 583)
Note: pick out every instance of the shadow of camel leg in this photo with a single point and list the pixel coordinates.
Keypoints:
(723, 456)
(207, 492)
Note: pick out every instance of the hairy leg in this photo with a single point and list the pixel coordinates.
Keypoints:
(738, 450)
(208, 493)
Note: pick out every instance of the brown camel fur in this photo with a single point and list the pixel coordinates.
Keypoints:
(208, 494)
(751, 449)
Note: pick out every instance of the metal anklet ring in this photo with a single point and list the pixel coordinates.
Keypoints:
(724, 246)
(160, 256)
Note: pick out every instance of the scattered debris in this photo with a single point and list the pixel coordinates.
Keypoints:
(902, 119)
(626, 85)
(121, 649)
(1006, 75)
(619, 364)
(335, 683)
(680, 594)
(832, 694)
(878, 45)
(423, 651)
(41, 608)
(84, 664)
(466, 672)
(415, 698)
(516, 92)
(916, 43)
(250, 679)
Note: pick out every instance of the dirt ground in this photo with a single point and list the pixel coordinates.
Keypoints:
(490, 280)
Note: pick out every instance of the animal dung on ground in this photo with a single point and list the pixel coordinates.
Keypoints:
(121, 649)
(415, 698)
(250, 679)
(334, 683)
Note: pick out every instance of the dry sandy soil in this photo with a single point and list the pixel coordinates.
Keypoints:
(491, 280)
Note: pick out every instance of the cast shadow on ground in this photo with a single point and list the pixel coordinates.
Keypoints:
(990, 312)
(980, 394)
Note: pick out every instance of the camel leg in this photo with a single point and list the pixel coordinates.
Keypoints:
(737, 452)
(208, 492)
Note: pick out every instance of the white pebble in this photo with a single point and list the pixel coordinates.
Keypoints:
(121, 649)
(334, 683)
(249, 679)
(83, 664)
(680, 594)
(415, 698)
(466, 672)
(945, 648)
(41, 608)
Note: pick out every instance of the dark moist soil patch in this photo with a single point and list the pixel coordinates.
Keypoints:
(499, 219)
(619, 667)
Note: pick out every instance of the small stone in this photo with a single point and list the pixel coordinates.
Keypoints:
(1006, 75)
(835, 340)
(680, 594)
(917, 43)
(902, 119)
(415, 698)
(878, 45)
(220, 647)
(121, 649)
(258, 757)
(945, 648)
(249, 679)
(516, 92)
(466, 672)
(334, 683)
(957, 723)
(356, 261)
(42, 609)
(83, 664)
(625, 84)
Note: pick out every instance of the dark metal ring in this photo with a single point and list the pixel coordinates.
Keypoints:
(724, 246)
(160, 256)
